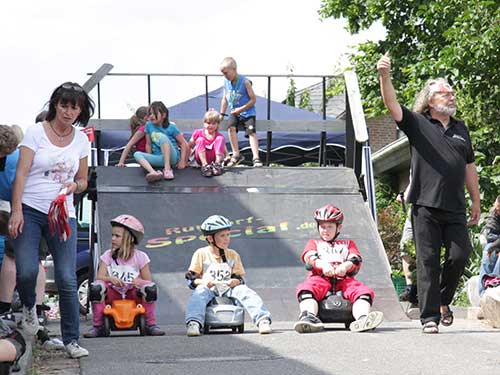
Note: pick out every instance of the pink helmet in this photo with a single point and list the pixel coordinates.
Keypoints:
(329, 213)
(132, 224)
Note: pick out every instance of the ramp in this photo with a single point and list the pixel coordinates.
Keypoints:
(272, 213)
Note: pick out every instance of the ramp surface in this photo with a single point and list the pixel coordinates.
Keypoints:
(271, 209)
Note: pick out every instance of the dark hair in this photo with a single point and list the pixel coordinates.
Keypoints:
(41, 116)
(157, 108)
(74, 94)
(138, 118)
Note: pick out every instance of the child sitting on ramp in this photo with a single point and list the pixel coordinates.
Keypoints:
(324, 255)
(137, 138)
(209, 145)
(218, 270)
(121, 266)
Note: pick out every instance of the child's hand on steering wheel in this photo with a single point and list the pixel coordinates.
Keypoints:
(233, 283)
(116, 281)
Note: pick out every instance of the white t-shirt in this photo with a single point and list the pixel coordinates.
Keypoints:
(52, 167)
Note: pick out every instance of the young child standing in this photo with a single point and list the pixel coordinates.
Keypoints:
(137, 136)
(217, 262)
(240, 97)
(121, 266)
(209, 145)
(163, 140)
(332, 258)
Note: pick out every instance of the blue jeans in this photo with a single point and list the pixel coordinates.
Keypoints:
(64, 254)
(247, 297)
(490, 265)
(156, 160)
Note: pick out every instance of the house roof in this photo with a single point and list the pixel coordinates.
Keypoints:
(195, 108)
(393, 157)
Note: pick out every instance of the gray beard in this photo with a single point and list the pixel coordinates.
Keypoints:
(446, 110)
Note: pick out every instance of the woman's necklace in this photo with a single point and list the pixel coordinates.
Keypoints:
(61, 136)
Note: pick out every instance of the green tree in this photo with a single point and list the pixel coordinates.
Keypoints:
(457, 39)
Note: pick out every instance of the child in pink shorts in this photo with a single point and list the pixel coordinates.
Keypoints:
(124, 269)
(209, 145)
(339, 259)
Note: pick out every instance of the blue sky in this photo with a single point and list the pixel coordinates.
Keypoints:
(45, 43)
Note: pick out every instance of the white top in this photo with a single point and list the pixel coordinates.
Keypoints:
(52, 167)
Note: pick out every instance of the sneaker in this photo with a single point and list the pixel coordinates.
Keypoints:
(367, 322)
(206, 170)
(257, 163)
(76, 351)
(308, 323)
(413, 312)
(264, 326)
(168, 174)
(154, 330)
(53, 344)
(217, 169)
(30, 320)
(94, 332)
(193, 329)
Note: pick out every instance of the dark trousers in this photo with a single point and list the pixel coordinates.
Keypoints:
(436, 284)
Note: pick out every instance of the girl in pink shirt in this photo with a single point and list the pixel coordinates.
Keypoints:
(124, 269)
(137, 137)
(209, 145)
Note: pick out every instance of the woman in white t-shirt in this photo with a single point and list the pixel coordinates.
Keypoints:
(53, 156)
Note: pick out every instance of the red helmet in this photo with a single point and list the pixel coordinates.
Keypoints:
(132, 224)
(329, 213)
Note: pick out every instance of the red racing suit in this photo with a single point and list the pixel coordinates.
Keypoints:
(336, 252)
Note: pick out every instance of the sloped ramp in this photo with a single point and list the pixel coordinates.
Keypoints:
(272, 213)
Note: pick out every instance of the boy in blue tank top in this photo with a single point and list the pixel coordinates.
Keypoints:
(240, 98)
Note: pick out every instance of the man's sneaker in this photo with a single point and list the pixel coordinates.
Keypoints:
(308, 323)
(94, 332)
(76, 351)
(367, 322)
(206, 170)
(154, 330)
(193, 329)
(53, 344)
(264, 326)
(217, 169)
(30, 320)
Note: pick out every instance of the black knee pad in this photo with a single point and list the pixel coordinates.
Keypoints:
(97, 292)
(305, 294)
(149, 292)
(366, 297)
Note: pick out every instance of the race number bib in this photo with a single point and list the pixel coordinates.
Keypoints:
(127, 274)
(217, 272)
(335, 254)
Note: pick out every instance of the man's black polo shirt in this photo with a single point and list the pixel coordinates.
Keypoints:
(438, 160)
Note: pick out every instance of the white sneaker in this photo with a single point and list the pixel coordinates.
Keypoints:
(367, 322)
(53, 344)
(264, 327)
(30, 321)
(76, 351)
(193, 329)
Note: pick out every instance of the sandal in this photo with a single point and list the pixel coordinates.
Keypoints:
(430, 327)
(154, 176)
(234, 160)
(206, 170)
(447, 317)
(257, 163)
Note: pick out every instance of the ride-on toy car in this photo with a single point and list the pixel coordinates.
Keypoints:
(124, 314)
(224, 312)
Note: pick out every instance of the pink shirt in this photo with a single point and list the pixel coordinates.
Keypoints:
(128, 270)
(208, 142)
(141, 145)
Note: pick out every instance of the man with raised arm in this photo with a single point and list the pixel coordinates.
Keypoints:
(442, 162)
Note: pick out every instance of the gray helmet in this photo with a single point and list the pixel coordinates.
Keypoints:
(215, 223)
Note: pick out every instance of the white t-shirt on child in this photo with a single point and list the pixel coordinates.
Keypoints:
(52, 167)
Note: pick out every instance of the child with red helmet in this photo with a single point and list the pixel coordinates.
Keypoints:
(333, 258)
(121, 267)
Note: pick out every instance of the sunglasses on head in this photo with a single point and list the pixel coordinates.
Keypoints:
(71, 86)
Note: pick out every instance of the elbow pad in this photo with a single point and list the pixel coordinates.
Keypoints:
(356, 261)
(190, 278)
(238, 277)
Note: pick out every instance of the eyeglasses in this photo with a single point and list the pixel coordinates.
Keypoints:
(72, 86)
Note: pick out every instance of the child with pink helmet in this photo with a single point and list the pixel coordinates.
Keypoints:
(121, 266)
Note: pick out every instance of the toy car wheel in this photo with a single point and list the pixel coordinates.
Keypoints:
(241, 328)
(107, 325)
(142, 325)
(234, 329)
(347, 324)
(206, 329)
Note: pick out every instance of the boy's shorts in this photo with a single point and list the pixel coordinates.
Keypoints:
(242, 123)
(319, 286)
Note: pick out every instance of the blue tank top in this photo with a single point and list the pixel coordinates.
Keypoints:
(237, 95)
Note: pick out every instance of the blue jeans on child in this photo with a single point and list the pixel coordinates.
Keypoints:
(156, 160)
(490, 265)
(247, 297)
(26, 246)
